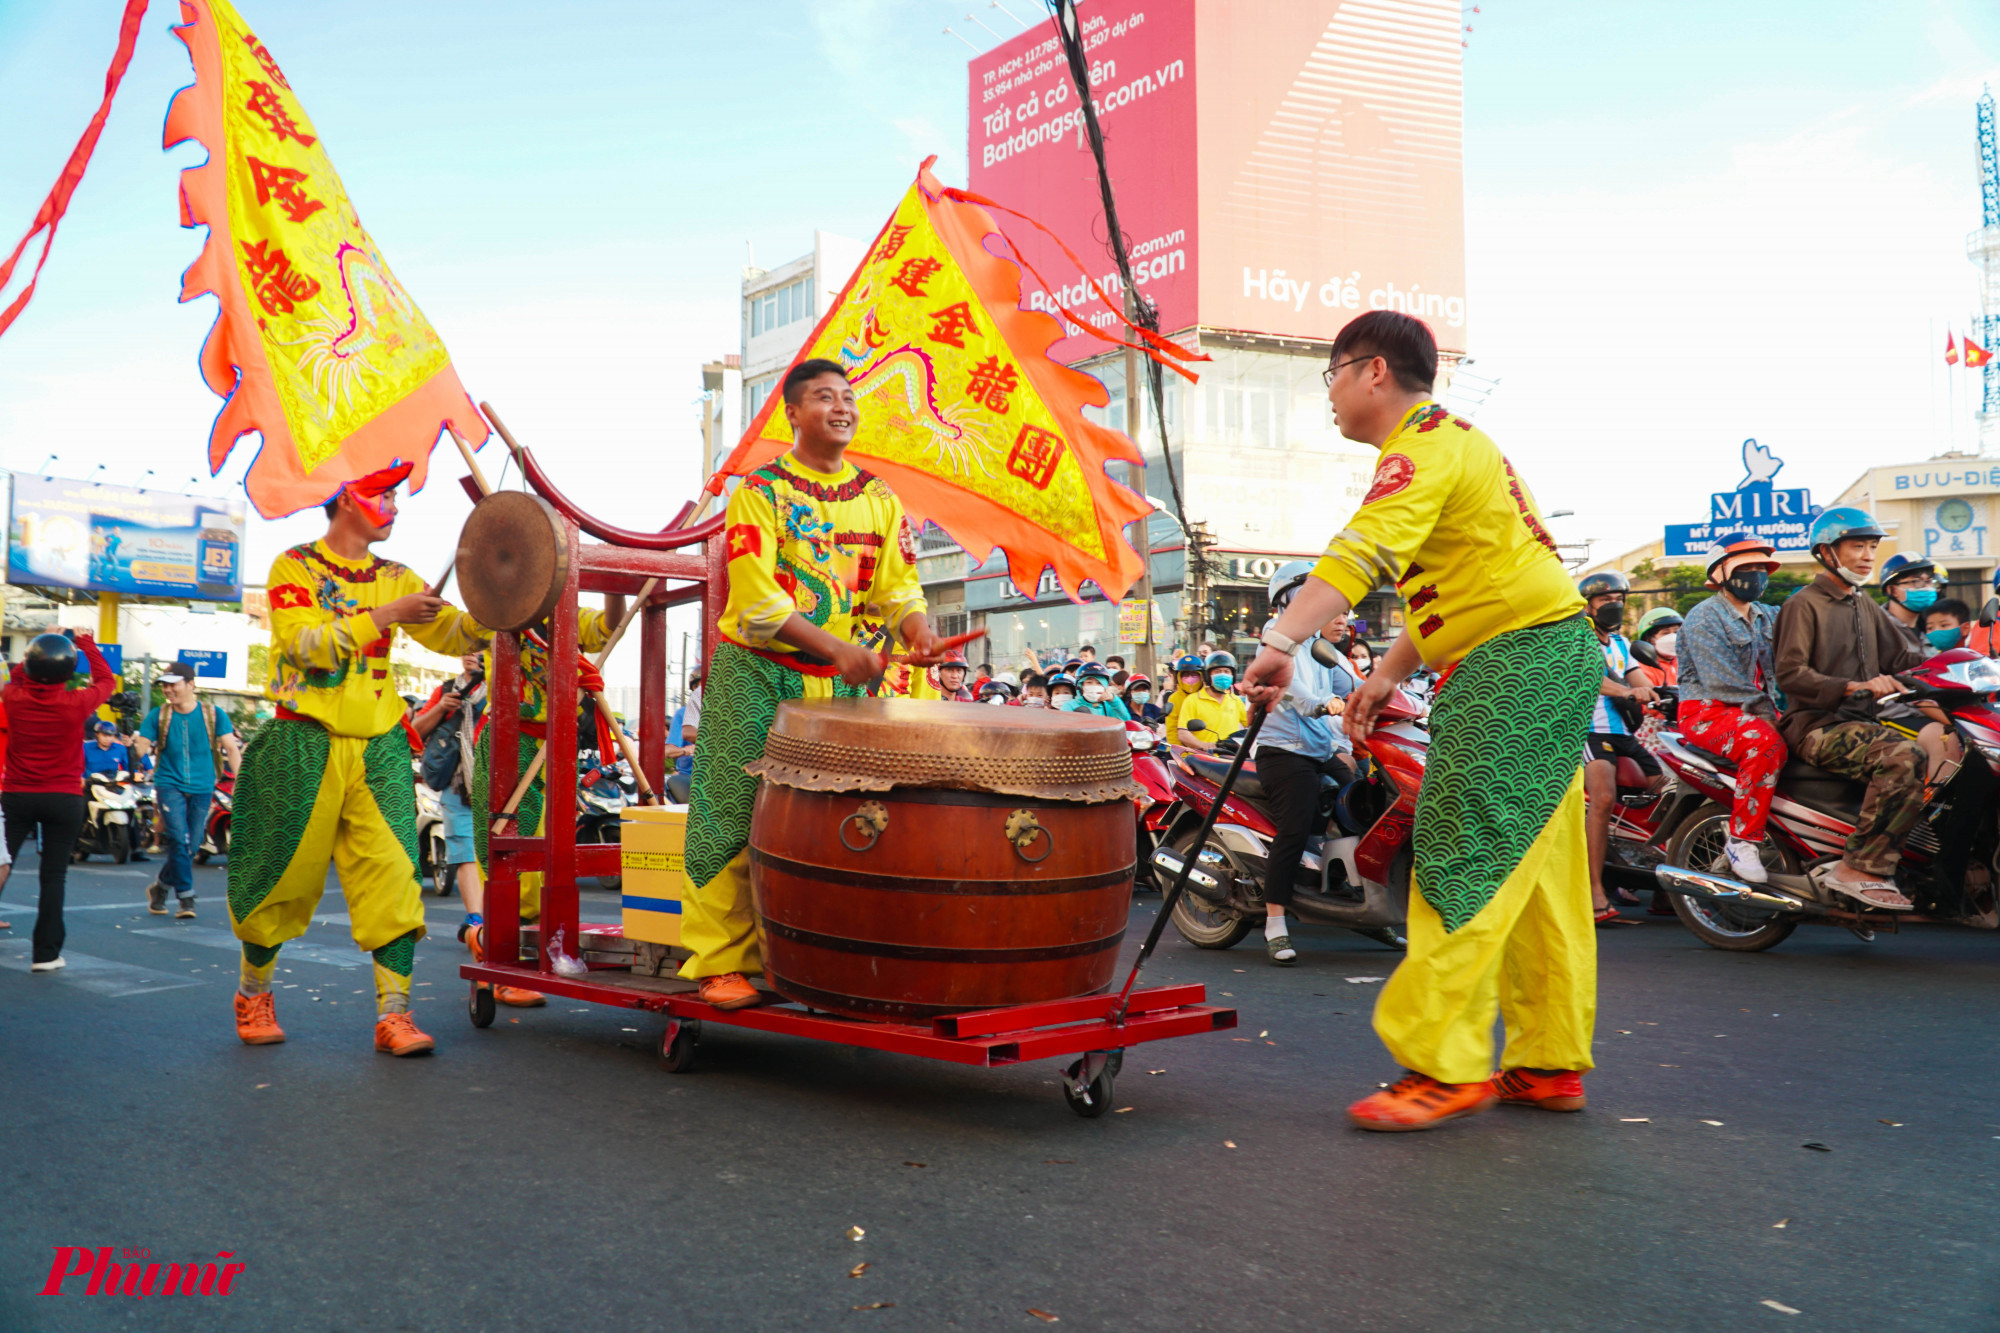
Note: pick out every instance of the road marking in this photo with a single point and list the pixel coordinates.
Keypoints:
(99, 975)
(212, 938)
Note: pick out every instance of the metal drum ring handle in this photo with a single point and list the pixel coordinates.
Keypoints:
(1022, 828)
(871, 818)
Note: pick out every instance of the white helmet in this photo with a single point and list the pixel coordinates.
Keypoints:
(1286, 581)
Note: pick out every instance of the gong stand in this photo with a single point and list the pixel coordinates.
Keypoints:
(524, 559)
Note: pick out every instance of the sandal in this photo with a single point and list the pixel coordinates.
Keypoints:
(1282, 946)
(1610, 916)
(1869, 893)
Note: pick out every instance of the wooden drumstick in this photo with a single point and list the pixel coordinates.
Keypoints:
(465, 450)
(625, 746)
(541, 752)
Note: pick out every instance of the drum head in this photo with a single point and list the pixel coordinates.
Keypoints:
(513, 558)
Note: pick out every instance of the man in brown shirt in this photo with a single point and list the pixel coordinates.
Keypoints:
(1835, 648)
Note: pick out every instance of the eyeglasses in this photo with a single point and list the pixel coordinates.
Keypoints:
(1335, 368)
(1921, 581)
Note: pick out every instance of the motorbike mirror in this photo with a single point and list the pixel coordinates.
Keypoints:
(1989, 612)
(1325, 653)
(1195, 725)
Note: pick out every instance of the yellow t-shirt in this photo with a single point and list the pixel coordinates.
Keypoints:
(329, 662)
(1180, 696)
(1225, 715)
(1455, 529)
(592, 633)
(832, 547)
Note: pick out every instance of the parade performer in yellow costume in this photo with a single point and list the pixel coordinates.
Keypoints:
(328, 779)
(813, 543)
(1500, 915)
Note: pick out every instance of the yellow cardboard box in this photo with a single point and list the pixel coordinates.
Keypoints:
(652, 840)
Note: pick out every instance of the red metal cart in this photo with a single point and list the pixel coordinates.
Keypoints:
(624, 562)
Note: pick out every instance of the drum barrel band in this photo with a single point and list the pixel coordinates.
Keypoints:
(908, 768)
(868, 879)
(924, 953)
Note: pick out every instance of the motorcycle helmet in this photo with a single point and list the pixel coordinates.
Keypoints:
(1187, 662)
(1602, 583)
(1219, 661)
(1659, 618)
(1286, 581)
(51, 659)
(1061, 680)
(1839, 524)
(1735, 543)
(1904, 566)
(996, 689)
(1092, 671)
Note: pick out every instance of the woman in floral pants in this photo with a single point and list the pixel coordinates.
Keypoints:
(1729, 689)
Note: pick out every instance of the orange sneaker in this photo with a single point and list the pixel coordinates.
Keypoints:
(1419, 1101)
(519, 997)
(1550, 1089)
(257, 1020)
(397, 1034)
(728, 991)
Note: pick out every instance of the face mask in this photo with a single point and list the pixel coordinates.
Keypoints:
(1093, 692)
(1748, 585)
(1918, 599)
(1060, 699)
(1945, 638)
(1190, 682)
(1609, 616)
(1853, 579)
(1221, 681)
(995, 699)
(1362, 664)
(1667, 645)
(1141, 696)
(1034, 702)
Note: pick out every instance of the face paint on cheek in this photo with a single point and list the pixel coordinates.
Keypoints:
(380, 510)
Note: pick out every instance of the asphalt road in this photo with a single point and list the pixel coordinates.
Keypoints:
(546, 1174)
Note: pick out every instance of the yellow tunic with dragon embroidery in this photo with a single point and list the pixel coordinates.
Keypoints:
(329, 660)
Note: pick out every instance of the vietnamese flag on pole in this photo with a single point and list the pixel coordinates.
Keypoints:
(1975, 355)
(1950, 349)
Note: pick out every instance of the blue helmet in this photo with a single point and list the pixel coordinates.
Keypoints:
(1897, 566)
(1840, 523)
(1188, 662)
(1061, 680)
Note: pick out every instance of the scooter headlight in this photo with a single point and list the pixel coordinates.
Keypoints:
(1981, 675)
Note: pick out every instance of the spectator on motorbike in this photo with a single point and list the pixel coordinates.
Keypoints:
(1093, 684)
(1034, 690)
(996, 692)
(462, 697)
(197, 745)
(1909, 586)
(43, 789)
(103, 753)
(1221, 710)
(1945, 625)
(1611, 728)
(1835, 651)
(1363, 658)
(1980, 638)
(1114, 664)
(1656, 646)
(951, 679)
(1729, 689)
(1187, 684)
(1138, 696)
(1062, 691)
(985, 674)
(1087, 653)
(1295, 747)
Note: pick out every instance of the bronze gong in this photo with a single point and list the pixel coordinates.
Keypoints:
(513, 559)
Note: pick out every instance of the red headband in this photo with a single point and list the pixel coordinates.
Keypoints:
(367, 492)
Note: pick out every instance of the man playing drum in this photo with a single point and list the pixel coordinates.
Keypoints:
(1500, 914)
(813, 543)
(328, 779)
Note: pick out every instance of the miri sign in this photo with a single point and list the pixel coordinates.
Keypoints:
(1778, 516)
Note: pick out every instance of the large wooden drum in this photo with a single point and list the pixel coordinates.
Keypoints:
(916, 858)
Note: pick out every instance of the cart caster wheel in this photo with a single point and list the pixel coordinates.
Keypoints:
(480, 1006)
(677, 1044)
(1087, 1084)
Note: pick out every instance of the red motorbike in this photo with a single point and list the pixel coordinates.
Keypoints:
(215, 838)
(1355, 872)
(1948, 864)
(1157, 807)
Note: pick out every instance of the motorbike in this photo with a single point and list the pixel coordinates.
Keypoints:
(432, 862)
(107, 821)
(602, 793)
(215, 837)
(145, 814)
(1354, 873)
(1642, 820)
(1948, 866)
(1158, 808)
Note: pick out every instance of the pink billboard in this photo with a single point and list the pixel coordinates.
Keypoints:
(1028, 151)
(1312, 147)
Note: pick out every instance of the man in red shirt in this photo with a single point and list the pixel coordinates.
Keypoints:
(43, 786)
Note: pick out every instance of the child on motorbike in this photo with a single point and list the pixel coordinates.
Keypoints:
(1729, 689)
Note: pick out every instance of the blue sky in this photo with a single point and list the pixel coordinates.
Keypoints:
(1685, 224)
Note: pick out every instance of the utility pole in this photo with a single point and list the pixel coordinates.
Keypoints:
(1197, 582)
(1135, 473)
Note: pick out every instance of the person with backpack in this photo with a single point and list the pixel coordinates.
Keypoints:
(193, 741)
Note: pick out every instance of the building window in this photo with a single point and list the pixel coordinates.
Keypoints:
(758, 393)
(779, 306)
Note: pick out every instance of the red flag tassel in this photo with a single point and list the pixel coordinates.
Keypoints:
(50, 215)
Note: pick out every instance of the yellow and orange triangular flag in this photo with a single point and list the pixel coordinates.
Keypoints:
(962, 411)
(318, 348)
